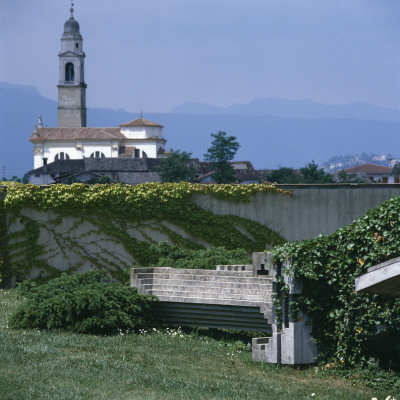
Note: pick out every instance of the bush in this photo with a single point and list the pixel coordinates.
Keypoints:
(177, 257)
(85, 303)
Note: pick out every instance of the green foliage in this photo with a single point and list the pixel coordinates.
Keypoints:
(284, 175)
(311, 174)
(83, 303)
(308, 174)
(115, 210)
(223, 149)
(177, 167)
(348, 178)
(343, 320)
(178, 257)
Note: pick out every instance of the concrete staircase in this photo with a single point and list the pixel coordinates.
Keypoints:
(231, 297)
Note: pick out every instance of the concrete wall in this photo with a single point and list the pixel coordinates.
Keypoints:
(313, 209)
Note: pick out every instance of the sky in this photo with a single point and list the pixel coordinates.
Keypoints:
(153, 55)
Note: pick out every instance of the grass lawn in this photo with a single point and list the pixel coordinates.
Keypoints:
(54, 365)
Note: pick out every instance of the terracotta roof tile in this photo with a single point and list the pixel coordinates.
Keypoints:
(76, 134)
(141, 122)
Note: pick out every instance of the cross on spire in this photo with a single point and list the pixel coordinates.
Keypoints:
(72, 10)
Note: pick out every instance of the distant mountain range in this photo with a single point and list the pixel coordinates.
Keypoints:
(294, 109)
(272, 132)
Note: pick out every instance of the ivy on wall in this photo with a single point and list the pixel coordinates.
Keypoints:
(344, 320)
(114, 210)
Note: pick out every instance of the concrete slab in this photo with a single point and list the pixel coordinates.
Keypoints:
(381, 279)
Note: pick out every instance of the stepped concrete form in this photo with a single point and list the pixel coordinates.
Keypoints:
(233, 297)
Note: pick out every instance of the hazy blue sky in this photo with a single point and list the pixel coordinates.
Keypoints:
(156, 54)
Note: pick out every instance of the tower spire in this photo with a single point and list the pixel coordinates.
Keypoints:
(72, 10)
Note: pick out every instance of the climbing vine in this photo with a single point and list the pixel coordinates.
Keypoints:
(87, 224)
(344, 320)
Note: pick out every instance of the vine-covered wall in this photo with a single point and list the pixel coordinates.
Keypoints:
(46, 230)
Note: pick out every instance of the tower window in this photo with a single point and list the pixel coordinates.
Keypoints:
(69, 72)
(77, 45)
(137, 153)
(61, 156)
(97, 154)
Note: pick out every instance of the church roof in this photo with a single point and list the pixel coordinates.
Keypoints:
(141, 122)
(63, 134)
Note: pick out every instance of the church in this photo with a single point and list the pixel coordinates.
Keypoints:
(72, 139)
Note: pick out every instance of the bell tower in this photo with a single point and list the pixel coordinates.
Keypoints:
(71, 85)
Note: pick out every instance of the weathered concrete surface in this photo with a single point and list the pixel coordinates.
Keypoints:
(314, 209)
(381, 279)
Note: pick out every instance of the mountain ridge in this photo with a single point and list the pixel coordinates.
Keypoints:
(304, 108)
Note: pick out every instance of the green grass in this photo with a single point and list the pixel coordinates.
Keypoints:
(56, 365)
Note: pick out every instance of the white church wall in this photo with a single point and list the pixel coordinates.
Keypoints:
(149, 148)
(102, 147)
(141, 132)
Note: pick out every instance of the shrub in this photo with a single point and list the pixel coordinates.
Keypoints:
(85, 303)
(177, 257)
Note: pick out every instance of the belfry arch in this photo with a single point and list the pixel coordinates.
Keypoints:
(69, 72)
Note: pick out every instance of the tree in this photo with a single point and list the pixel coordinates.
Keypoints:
(223, 149)
(284, 175)
(176, 167)
(308, 174)
(343, 177)
(311, 174)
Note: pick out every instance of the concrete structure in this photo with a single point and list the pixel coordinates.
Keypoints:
(312, 210)
(232, 297)
(291, 341)
(381, 279)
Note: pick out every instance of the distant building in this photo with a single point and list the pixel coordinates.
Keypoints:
(395, 174)
(370, 173)
(130, 171)
(243, 170)
(72, 140)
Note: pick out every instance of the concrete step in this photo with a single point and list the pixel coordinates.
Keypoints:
(263, 291)
(236, 268)
(217, 301)
(152, 277)
(210, 295)
(179, 271)
(237, 282)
